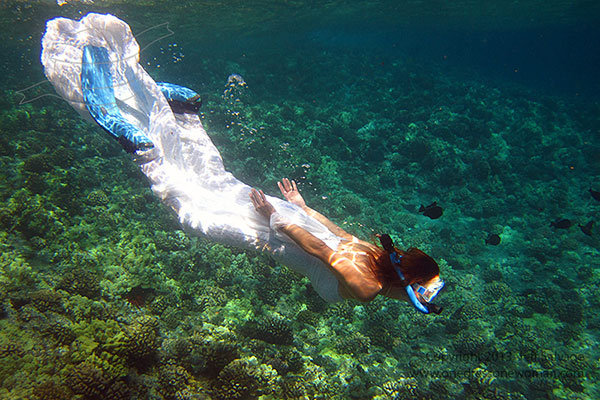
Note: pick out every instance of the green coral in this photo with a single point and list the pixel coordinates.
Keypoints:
(469, 343)
(353, 343)
(138, 342)
(80, 281)
(38, 163)
(90, 381)
(210, 355)
(272, 328)
(97, 198)
(481, 382)
(63, 157)
(43, 300)
(75, 243)
(400, 389)
(172, 379)
(61, 331)
(244, 379)
(50, 390)
(497, 291)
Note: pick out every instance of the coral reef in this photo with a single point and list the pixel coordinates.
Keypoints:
(93, 383)
(272, 328)
(246, 379)
(49, 390)
(80, 281)
(138, 342)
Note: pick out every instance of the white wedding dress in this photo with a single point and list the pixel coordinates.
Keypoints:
(184, 167)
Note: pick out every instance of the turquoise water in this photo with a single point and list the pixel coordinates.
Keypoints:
(375, 108)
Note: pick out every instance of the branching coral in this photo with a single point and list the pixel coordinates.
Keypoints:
(215, 355)
(140, 340)
(172, 379)
(401, 389)
(93, 383)
(49, 390)
(80, 281)
(97, 198)
(497, 291)
(61, 202)
(354, 343)
(38, 163)
(272, 328)
(246, 379)
(468, 343)
(60, 331)
(47, 300)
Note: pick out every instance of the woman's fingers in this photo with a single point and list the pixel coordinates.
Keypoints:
(286, 183)
(294, 186)
(257, 200)
(260, 202)
(284, 186)
(258, 197)
(287, 186)
(253, 197)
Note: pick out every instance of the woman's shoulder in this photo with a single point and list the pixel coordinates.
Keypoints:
(367, 245)
(359, 251)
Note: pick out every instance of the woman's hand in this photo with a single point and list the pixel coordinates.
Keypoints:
(261, 204)
(290, 192)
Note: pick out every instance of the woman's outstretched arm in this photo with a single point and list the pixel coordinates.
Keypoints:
(290, 191)
(359, 283)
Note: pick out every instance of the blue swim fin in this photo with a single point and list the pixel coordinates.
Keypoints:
(98, 93)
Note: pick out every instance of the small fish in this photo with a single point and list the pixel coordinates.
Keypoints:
(587, 228)
(492, 239)
(595, 194)
(561, 224)
(432, 211)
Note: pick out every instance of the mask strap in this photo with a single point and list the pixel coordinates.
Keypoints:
(396, 260)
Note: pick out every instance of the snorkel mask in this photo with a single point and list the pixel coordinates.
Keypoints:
(414, 291)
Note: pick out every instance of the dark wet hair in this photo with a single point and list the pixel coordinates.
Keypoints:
(416, 266)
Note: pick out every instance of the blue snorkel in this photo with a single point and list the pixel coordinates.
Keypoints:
(396, 259)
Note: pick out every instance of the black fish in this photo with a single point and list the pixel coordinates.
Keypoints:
(587, 228)
(493, 239)
(595, 194)
(432, 211)
(561, 224)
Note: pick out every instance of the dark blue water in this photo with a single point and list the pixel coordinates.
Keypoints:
(563, 60)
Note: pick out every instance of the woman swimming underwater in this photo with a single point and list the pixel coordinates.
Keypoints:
(93, 63)
(363, 270)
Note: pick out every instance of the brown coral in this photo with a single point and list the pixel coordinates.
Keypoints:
(43, 300)
(139, 341)
(93, 383)
(97, 198)
(354, 343)
(245, 379)
(49, 390)
(172, 379)
(273, 328)
(60, 331)
(38, 163)
(81, 281)
(402, 389)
